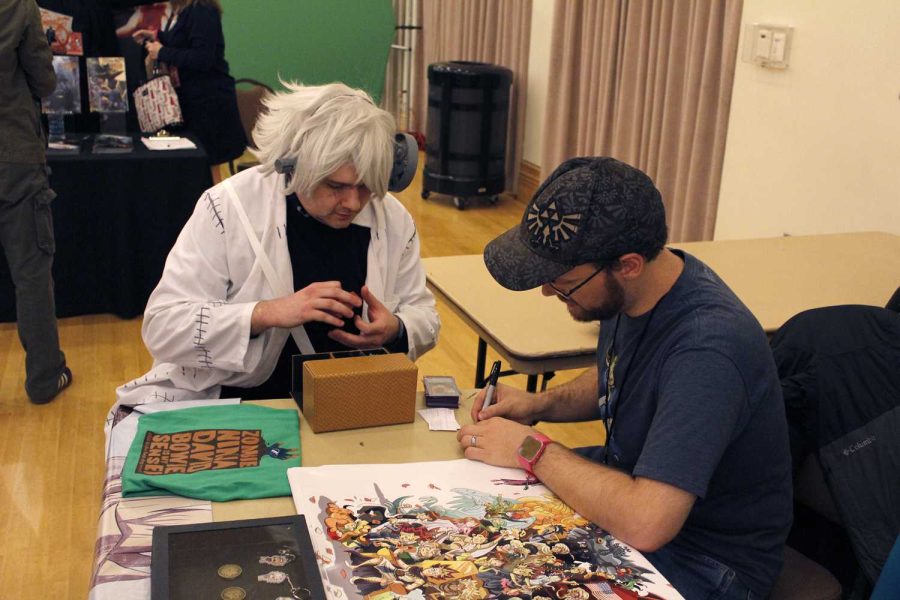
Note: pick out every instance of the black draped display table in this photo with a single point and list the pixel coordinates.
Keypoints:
(115, 217)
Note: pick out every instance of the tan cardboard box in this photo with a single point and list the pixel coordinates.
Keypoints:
(361, 391)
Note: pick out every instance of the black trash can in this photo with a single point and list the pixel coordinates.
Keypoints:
(465, 149)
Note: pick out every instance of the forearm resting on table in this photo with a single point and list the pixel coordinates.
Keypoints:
(573, 401)
(641, 512)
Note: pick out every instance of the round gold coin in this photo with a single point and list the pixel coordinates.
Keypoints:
(233, 593)
(230, 571)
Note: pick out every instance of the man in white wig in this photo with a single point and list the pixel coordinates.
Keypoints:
(274, 263)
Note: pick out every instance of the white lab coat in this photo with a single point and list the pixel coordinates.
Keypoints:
(197, 321)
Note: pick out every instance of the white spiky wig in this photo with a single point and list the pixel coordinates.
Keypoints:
(324, 128)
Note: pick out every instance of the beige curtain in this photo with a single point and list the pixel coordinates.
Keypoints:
(492, 31)
(649, 83)
(405, 58)
(419, 99)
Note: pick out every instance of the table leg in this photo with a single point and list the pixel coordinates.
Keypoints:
(531, 386)
(479, 363)
(547, 377)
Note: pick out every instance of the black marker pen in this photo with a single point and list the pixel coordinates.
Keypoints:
(491, 385)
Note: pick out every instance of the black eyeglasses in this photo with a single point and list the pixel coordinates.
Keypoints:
(568, 295)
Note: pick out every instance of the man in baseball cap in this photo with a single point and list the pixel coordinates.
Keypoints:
(589, 210)
(695, 468)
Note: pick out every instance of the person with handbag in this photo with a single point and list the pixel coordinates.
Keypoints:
(192, 46)
(277, 262)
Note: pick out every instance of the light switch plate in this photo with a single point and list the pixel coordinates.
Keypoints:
(767, 45)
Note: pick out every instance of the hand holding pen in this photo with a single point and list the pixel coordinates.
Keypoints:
(490, 389)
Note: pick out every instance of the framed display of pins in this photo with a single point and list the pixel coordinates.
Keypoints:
(235, 560)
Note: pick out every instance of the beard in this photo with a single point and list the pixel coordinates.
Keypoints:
(614, 300)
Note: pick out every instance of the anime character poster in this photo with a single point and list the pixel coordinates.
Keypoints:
(128, 20)
(107, 84)
(66, 98)
(151, 16)
(459, 529)
(58, 28)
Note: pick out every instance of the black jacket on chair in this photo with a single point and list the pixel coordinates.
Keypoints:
(840, 374)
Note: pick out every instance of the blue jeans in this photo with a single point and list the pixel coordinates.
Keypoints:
(695, 575)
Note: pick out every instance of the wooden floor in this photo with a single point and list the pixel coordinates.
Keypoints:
(51, 457)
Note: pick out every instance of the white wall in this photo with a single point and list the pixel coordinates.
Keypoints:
(812, 149)
(816, 148)
(538, 73)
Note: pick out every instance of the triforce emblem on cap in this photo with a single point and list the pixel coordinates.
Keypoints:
(549, 227)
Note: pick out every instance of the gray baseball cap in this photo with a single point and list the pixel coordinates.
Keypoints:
(590, 210)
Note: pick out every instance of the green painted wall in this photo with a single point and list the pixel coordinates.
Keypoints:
(312, 41)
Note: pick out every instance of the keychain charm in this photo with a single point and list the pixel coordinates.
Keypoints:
(298, 592)
(273, 577)
(283, 557)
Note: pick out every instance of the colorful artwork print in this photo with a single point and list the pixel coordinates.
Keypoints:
(107, 84)
(146, 16)
(58, 28)
(66, 98)
(468, 534)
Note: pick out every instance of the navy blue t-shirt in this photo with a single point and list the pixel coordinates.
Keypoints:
(701, 409)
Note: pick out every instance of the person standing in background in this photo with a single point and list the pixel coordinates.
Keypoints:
(26, 221)
(192, 44)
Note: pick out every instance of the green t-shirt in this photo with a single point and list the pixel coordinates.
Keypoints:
(219, 453)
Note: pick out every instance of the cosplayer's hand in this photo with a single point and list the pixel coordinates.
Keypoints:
(153, 49)
(494, 441)
(323, 301)
(510, 403)
(381, 328)
(144, 35)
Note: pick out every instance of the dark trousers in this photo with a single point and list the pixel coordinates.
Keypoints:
(26, 234)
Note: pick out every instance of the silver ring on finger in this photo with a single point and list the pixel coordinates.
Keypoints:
(473, 441)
